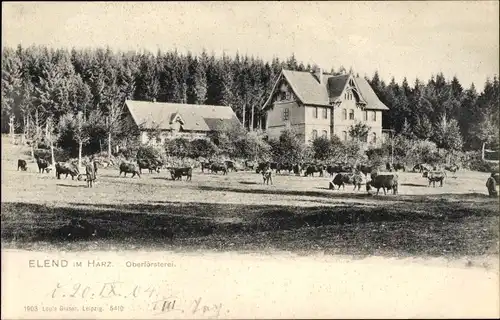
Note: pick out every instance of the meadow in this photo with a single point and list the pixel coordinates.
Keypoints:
(236, 212)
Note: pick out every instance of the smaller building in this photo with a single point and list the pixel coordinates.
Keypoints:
(157, 121)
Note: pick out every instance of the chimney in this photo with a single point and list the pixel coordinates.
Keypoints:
(319, 74)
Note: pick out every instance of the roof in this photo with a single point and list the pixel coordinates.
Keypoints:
(161, 115)
(309, 91)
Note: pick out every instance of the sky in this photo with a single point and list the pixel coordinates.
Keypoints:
(412, 39)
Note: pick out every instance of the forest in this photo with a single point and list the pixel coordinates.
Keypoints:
(45, 87)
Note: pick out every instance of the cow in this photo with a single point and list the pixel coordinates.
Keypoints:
(347, 178)
(216, 167)
(43, 165)
(90, 173)
(249, 165)
(21, 164)
(151, 165)
(284, 166)
(177, 173)
(421, 167)
(434, 176)
(66, 168)
(297, 168)
(364, 169)
(230, 165)
(384, 181)
(267, 176)
(491, 184)
(129, 168)
(312, 169)
(452, 168)
(263, 166)
(206, 165)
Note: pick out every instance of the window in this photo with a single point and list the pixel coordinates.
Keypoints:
(344, 135)
(364, 138)
(325, 113)
(288, 95)
(315, 134)
(374, 116)
(365, 115)
(374, 137)
(351, 114)
(286, 114)
(325, 133)
(315, 112)
(344, 114)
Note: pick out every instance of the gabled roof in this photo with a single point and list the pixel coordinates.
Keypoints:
(161, 115)
(309, 91)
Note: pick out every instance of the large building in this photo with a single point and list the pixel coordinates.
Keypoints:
(316, 104)
(170, 120)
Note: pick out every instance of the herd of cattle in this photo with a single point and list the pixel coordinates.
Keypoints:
(342, 173)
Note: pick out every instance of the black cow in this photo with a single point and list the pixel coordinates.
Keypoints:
(230, 165)
(453, 168)
(205, 165)
(151, 165)
(384, 181)
(216, 167)
(421, 167)
(435, 176)
(91, 173)
(66, 168)
(312, 169)
(177, 173)
(263, 166)
(21, 164)
(43, 165)
(297, 169)
(365, 169)
(341, 179)
(284, 166)
(267, 176)
(129, 168)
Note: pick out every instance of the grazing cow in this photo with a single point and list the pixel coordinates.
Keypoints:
(151, 165)
(177, 173)
(216, 167)
(91, 173)
(66, 168)
(312, 169)
(43, 165)
(129, 168)
(347, 178)
(230, 165)
(384, 181)
(453, 168)
(206, 165)
(267, 176)
(435, 176)
(399, 166)
(22, 165)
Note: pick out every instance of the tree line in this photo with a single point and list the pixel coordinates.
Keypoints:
(44, 87)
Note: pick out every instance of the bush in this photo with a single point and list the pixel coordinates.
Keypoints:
(60, 155)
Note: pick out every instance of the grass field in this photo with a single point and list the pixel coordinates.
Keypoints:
(238, 213)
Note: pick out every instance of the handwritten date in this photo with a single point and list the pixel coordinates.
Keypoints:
(161, 300)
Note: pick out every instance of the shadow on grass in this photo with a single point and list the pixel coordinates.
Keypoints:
(73, 185)
(414, 185)
(249, 182)
(430, 228)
